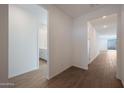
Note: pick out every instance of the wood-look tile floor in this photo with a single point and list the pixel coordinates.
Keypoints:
(101, 74)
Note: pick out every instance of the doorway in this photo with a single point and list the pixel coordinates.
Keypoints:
(43, 44)
(28, 44)
(102, 37)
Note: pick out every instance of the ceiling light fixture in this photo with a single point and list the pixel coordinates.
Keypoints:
(103, 17)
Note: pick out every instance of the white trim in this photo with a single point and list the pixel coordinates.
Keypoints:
(15, 75)
(85, 68)
(94, 57)
(122, 82)
(118, 77)
(82, 67)
(53, 75)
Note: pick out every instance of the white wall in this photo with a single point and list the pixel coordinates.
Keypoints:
(121, 47)
(103, 44)
(60, 32)
(24, 58)
(43, 36)
(24, 25)
(93, 42)
(80, 44)
(103, 41)
(80, 48)
(3, 44)
(60, 27)
(43, 30)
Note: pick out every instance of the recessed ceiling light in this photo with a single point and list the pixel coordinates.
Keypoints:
(103, 17)
(105, 26)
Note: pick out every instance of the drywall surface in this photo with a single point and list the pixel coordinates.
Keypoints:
(24, 24)
(93, 42)
(3, 44)
(80, 44)
(121, 38)
(23, 37)
(103, 44)
(43, 36)
(60, 33)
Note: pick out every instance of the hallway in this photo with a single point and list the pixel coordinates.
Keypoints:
(101, 74)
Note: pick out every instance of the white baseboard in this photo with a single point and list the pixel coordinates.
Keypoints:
(55, 74)
(118, 77)
(21, 73)
(82, 67)
(85, 67)
(94, 57)
(122, 82)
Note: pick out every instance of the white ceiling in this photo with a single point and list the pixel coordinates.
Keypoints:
(110, 22)
(76, 10)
